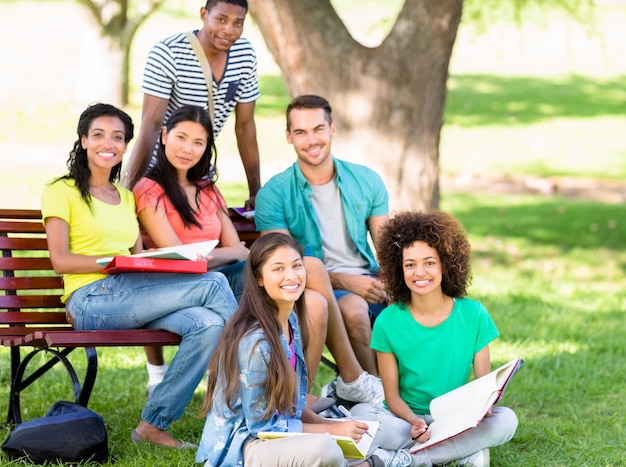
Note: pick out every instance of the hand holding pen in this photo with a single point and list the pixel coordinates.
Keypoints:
(418, 430)
(347, 413)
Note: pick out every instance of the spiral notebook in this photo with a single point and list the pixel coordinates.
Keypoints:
(351, 449)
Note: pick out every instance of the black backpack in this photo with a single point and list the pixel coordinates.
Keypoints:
(68, 433)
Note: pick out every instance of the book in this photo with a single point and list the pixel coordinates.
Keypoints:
(190, 251)
(464, 407)
(121, 264)
(351, 449)
(243, 213)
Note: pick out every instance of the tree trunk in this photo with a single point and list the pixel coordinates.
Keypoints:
(387, 101)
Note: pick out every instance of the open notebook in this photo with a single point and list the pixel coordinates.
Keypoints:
(190, 251)
(464, 407)
(350, 448)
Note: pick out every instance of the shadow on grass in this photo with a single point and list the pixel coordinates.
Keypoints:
(556, 222)
(119, 396)
(491, 100)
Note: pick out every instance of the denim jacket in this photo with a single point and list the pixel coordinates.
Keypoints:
(226, 431)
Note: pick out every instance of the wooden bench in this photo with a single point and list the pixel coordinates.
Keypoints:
(33, 317)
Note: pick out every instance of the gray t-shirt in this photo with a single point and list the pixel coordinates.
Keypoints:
(339, 252)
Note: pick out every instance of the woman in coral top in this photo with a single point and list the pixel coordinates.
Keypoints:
(178, 203)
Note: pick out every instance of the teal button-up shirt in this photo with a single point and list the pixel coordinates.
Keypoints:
(284, 202)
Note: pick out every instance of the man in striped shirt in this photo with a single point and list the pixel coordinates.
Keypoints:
(173, 77)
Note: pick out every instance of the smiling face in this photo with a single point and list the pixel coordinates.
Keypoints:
(311, 134)
(185, 144)
(283, 276)
(105, 143)
(422, 268)
(223, 25)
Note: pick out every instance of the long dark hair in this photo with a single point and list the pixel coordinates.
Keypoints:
(203, 175)
(77, 163)
(257, 311)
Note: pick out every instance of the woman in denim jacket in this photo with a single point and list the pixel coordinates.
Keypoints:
(269, 390)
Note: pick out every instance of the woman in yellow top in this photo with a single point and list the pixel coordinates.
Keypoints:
(89, 216)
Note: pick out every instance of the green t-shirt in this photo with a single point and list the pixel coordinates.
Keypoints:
(433, 360)
(103, 230)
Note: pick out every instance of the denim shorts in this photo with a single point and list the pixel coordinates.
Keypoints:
(374, 308)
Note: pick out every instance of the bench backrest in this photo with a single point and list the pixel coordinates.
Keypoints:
(27, 280)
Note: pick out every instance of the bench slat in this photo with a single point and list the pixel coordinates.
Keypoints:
(32, 317)
(25, 264)
(73, 339)
(30, 301)
(31, 283)
(7, 335)
(20, 214)
(21, 243)
(131, 337)
(23, 330)
(21, 227)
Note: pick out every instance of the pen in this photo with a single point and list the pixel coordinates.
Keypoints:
(425, 430)
(347, 413)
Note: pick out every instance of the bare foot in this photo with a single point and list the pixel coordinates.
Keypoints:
(151, 434)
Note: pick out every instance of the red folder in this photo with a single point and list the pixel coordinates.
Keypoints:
(130, 264)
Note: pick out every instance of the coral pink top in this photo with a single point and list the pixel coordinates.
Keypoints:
(149, 194)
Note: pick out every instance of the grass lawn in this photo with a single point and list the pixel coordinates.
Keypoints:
(550, 271)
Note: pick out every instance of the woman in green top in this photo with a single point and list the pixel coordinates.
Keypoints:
(430, 338)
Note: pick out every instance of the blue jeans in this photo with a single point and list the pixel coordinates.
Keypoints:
(194, 306)
(235, 275)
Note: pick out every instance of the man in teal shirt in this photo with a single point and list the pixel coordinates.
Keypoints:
(330, 206)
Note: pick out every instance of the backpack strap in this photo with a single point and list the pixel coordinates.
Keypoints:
(206, 68)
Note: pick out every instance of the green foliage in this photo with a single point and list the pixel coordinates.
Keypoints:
(275, 96)
(482, 13)
(476, 100)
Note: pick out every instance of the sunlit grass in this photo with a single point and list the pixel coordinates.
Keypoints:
(557, 291)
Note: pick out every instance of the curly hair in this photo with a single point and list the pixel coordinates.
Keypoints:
(77, 162)
(438, 230)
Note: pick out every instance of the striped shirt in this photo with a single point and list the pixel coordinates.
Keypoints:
(173, 72)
